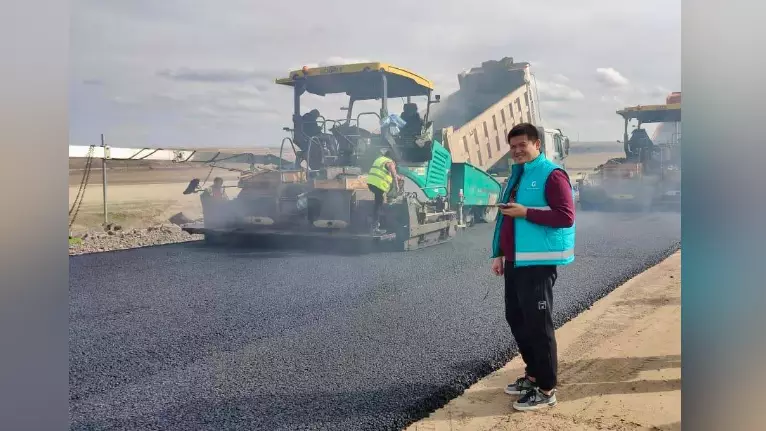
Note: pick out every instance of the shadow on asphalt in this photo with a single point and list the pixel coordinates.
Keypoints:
(601, 376)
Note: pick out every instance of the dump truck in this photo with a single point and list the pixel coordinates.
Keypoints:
(325, 193)
(474, 121)
(649, 176)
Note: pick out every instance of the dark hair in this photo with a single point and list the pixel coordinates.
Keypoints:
(524, 129)
(388, 153)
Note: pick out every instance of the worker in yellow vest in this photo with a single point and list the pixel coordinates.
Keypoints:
(380, 179)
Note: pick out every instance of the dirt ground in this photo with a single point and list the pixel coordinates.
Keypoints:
(142, 196)
(137, 205)
(619, 368)
(132, 176)
(588, 156)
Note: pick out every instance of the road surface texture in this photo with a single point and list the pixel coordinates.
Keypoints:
(188, 337)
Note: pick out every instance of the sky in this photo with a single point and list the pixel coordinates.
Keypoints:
(200, 73)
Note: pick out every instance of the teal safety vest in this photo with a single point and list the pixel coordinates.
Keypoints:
(535, 244)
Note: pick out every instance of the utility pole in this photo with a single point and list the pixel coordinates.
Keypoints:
(103, 177)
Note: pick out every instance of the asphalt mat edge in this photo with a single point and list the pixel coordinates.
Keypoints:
(472, 376)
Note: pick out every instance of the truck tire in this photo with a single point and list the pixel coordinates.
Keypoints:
(487, 214)
(469, 218)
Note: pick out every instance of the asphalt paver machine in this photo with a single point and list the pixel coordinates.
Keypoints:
(649, 176)
(326, 194)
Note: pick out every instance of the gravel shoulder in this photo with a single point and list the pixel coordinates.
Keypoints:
(114, 237)
(620, 368)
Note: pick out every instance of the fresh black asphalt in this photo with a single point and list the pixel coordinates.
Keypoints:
(189, 337)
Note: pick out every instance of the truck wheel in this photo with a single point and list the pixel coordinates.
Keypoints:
(469, 219)
(488, 214)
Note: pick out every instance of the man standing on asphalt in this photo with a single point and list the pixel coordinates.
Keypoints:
(535, 234)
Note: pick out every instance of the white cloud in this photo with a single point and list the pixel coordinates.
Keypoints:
(126, 100)
(611, 78)
(330, 61)
(613, 100)
(637, 95)
(557, 110)
(211, 75)
(657, 92)
(557, 92)
(338, 61)
(193, 72)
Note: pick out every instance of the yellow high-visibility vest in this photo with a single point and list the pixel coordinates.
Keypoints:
(379, 176)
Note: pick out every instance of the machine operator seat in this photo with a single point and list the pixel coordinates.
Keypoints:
(306, 127)
(347, 138)
(640, 143)
(309, 136)
(410, 133)
(414, 124)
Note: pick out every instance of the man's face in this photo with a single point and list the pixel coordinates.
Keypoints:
(523, 150)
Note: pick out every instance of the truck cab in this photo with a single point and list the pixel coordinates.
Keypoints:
(553, 143)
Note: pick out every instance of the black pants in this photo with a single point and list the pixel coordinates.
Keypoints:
(378, 203)
(528, 308)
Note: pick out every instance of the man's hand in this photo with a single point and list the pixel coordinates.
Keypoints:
(497, 266)
(398, 179)
(514, 210)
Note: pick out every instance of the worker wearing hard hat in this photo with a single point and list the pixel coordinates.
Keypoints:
(534, 235)
(380, 179)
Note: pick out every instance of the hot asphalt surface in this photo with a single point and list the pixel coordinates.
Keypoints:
(188, 337)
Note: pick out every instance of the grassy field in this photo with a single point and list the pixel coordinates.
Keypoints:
(145, 194)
